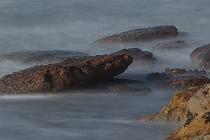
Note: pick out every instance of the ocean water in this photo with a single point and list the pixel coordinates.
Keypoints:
(40, 25)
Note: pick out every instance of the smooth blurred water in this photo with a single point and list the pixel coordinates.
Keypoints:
(73, 25)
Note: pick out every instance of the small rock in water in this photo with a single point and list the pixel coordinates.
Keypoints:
(151, 33)
(138, 54)
(200, 57)
(173, 45)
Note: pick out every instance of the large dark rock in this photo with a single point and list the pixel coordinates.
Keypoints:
(200, 57)
(68, 74)
(41, 57)
(150, 33)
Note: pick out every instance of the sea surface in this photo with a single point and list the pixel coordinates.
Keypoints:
(73, 25)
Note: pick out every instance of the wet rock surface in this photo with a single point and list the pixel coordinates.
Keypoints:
(138, 54)
(200, 57)
(173, 45)
(67, 74)
(42, 57)
(178, 78)
(151, 33)
(191, 107)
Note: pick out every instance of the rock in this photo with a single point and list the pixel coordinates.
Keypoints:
(191, 107)
(173, 45)
(198, 129)
(200, 57)
(184, 72)
(178, 78)
(138, 54)
(68, 74)
(41, 57)
(151, 33)
(188, 81)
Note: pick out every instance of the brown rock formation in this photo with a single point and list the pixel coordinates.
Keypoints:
(150, 33)
(70, 73)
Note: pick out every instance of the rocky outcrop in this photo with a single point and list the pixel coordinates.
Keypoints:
(41, 57)
(191, 107)
(151, 33)
(68, 74)
(138, 54)
(200, 57)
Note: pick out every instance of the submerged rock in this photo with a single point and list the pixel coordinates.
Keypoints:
(138, 54)
(200, 57)
(41, 57)
(120, 86)
(68, 74)
(178, 78)
(191, 107)
(150, 33)
(173, 45)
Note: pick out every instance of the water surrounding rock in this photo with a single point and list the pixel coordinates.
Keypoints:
(151, 33)
(68, 74)
(200, 57)
(41, 57)
(138, 54)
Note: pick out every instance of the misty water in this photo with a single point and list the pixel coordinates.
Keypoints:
(40, 25)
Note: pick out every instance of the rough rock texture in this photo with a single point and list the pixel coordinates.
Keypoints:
(150, 33)
(41, 57)
(70, 73)
(200, 57)
(173, 45)
(188, 81)
(192, 107)
(178, 78)
(138, 54)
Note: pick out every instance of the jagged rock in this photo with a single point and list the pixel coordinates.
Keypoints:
(173, 45)
(198, 129)
(150, 33)
(200, 57)
(138, 54)
(191, 107)
(41, 57)
(68, 74)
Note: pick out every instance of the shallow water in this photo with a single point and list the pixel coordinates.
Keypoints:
(27, 25)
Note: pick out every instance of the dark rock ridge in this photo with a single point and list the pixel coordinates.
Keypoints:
(67, 74)
(178, 78)
(41, 57)
(200, 57)
(138, 54)
(151, 33)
